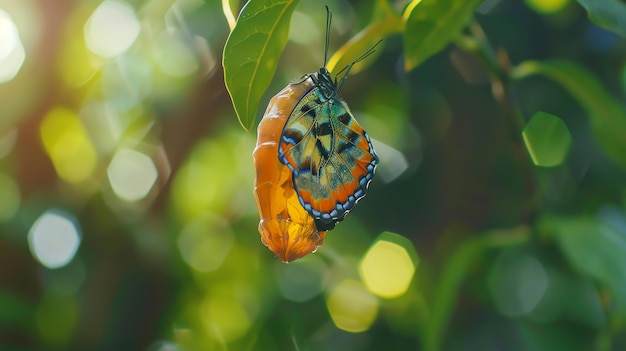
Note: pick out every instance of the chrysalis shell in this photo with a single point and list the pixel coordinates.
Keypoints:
(286, 227)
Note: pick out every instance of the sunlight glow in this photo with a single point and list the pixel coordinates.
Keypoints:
(131, 174)
(126, 82)
(225, 316)
(387, 268)
(175, 56)
(9, 36)
(54, 239)
(164, 346)
(352, 307)
(547, 6)
(212, 178)
(12, 52)
(205, 242)
(68, 145)
(76, 64)
(111, 29)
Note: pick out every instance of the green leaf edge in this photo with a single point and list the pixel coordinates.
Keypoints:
(608, 14)
(455, 271)
(456, 18)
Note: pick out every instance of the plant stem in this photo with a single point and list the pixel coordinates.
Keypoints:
(499, 69)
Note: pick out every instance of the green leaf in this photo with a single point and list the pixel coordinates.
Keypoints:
(15, 310)
(431, 24)
(597, 250)
(608, 14)
(454, 274)
(252, 51)
(606, 114)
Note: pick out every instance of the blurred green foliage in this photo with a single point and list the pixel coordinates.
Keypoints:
(496, 219)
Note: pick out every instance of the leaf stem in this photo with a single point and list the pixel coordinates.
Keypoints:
(500, 71)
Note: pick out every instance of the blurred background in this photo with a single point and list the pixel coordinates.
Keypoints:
(127, 220)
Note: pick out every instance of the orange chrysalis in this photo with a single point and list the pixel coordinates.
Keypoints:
(286, 227)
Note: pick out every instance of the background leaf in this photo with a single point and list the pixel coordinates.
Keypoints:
(252, 51)
(608, 14)
(456, 270)
(595, 249)
(431, 25)
(607, 116)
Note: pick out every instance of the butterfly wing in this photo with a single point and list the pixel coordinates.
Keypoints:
(330, 155)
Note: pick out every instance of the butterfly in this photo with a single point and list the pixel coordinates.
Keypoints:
(331, 156)
(301, 189)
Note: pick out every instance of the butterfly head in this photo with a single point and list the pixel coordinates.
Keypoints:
(325, 83)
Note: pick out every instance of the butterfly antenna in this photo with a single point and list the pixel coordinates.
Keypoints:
(349, 67)
(329, 19)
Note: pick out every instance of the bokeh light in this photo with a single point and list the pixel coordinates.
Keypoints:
(104, 124)
(12, 52)
(126, 82)
(164, 346)
(132, 174)
(302, 279)
(76, 64)
(11, 198)
(352, 307)
(7, 142)
(547, 6)
(9, 36)
(54, 238)
(205, 242)
(303, 29)
(547, 139)
(200, 186)
(175, 55)
(226, 317)
(111, 29)
(517, 283)
(392, 162)
(388, 266)
(68, 145)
